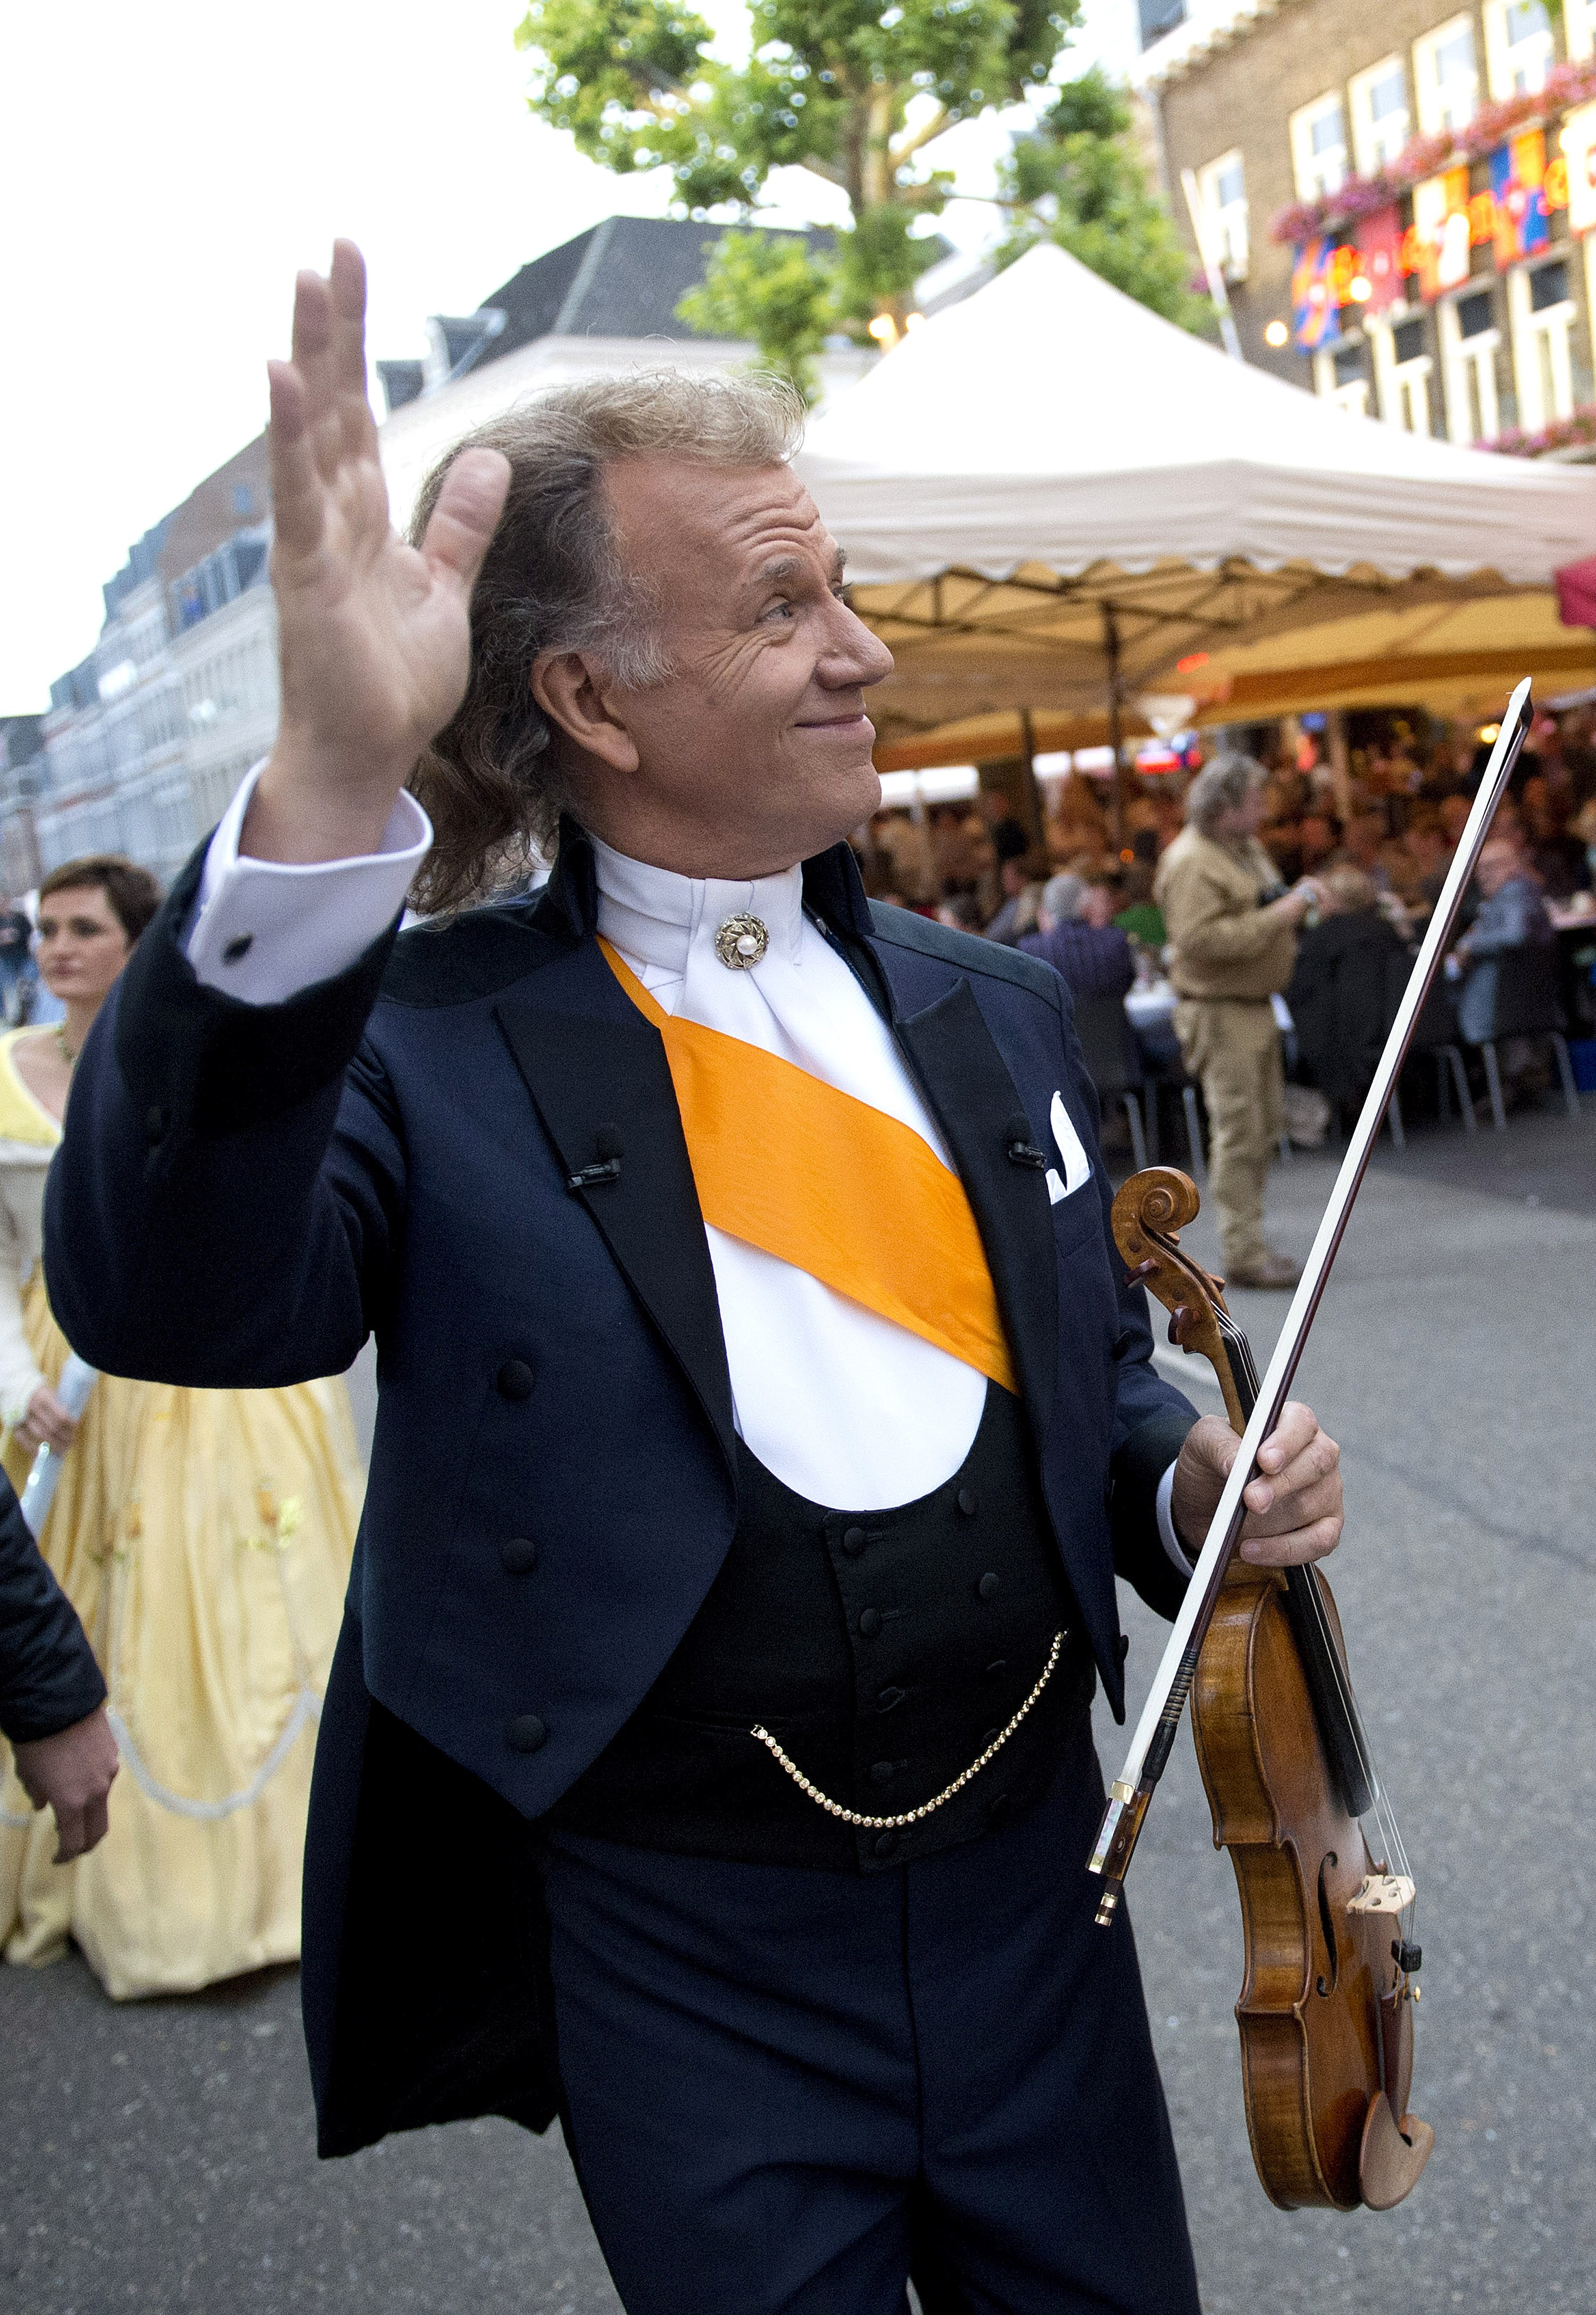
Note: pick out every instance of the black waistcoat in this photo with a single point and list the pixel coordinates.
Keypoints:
(882, 1650)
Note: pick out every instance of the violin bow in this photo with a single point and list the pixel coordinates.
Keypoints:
(1133, 1787)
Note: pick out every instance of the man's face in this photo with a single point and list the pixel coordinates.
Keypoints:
(755, 751)
(1498, 864)
(1097, 906)
(1237, 821)
(1317, 839)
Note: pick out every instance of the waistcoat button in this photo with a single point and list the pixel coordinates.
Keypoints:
(990, 1737)
(881, 1772)
(525, 1733)
(519, 1555)
(515, 1379)
(885, 1844)
(870, 1623)
(889, 1698)
(968, 1502)
(987, 1586)
(853, 1541)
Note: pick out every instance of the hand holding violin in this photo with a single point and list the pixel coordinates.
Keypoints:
(1294, 1506)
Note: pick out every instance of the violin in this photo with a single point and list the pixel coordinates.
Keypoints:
(1327, 1998)
(1326, 2006)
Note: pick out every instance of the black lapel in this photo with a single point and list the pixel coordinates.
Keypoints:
(590, 1061)
(966, 1080)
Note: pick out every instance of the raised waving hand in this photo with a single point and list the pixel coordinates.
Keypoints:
(375, 635)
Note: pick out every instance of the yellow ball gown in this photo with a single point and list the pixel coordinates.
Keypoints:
(204, 1537)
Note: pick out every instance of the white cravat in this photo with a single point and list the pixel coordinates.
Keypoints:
(849, 1409)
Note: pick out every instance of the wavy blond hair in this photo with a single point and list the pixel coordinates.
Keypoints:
(552, 580)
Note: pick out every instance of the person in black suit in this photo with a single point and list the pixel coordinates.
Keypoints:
(1351, 968)
(764, 1415)
(52, 1699)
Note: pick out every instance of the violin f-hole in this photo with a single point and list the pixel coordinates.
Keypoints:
(1328, 1924)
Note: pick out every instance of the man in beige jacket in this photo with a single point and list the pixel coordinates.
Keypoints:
(1233, 939)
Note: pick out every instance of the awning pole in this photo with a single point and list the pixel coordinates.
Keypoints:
(1111, 645)
(1035, 826)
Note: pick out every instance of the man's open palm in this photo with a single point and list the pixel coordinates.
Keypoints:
(375, 635)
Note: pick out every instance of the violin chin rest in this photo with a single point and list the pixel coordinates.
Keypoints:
(1390, 2160)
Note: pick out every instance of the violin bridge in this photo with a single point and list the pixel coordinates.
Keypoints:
(1383, 1892)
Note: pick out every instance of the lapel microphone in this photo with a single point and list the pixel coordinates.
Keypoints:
(607, 1165)
(1021, 1149)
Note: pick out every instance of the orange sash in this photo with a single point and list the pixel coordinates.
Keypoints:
(854, 1197)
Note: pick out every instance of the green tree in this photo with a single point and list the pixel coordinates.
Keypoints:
(766, 286)
(829, 87)
(1081, 181)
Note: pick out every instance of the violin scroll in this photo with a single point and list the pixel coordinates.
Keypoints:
(1148, 1215)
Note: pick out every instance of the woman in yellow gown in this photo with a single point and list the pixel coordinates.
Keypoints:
(204, 1537)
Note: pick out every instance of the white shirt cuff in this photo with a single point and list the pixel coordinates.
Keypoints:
(1171, 1543)
(266, 929)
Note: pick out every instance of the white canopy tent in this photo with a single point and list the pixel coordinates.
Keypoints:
(1050, 495)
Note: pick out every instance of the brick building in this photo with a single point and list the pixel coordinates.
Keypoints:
(1401, 200)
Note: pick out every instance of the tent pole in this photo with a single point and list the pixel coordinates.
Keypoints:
(1110, 646)
(1035, 827)
(1336, 748)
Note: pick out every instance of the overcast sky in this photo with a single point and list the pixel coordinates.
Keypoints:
(163, 170)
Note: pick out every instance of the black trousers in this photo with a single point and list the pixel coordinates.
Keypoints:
(785, 2089)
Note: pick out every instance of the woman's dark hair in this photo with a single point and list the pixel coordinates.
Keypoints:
(133, 892)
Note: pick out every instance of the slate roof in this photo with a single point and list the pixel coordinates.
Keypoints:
(622, 278)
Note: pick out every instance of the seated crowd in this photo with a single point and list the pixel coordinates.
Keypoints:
(1378, 868)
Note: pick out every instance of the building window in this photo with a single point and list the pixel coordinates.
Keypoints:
(1518, 47)
(1468, 342)
(1379, 114)
(1221, 189)
(1402, 373)
(1341, 375)
(1446, 76)
(1318, 147)
(1541, 312)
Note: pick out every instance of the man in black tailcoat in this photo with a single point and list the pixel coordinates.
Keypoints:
(763, 1418)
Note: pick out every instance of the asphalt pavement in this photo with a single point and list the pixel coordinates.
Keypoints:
(160, 2155)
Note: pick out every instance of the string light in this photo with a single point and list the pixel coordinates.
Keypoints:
(1276, 334)
(884, 329)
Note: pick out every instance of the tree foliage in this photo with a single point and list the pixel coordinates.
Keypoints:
(855, 91)
(1081, 181)
(766, 286)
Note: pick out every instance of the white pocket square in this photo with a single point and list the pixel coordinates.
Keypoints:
(1078, 1166)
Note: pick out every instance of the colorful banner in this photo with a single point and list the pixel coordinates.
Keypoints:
(1313, 318)
(1436, 247)
(1578, 141)
(1379, 253)
(1518, 180)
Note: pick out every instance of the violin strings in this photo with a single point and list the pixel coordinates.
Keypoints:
(1383, 1813)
